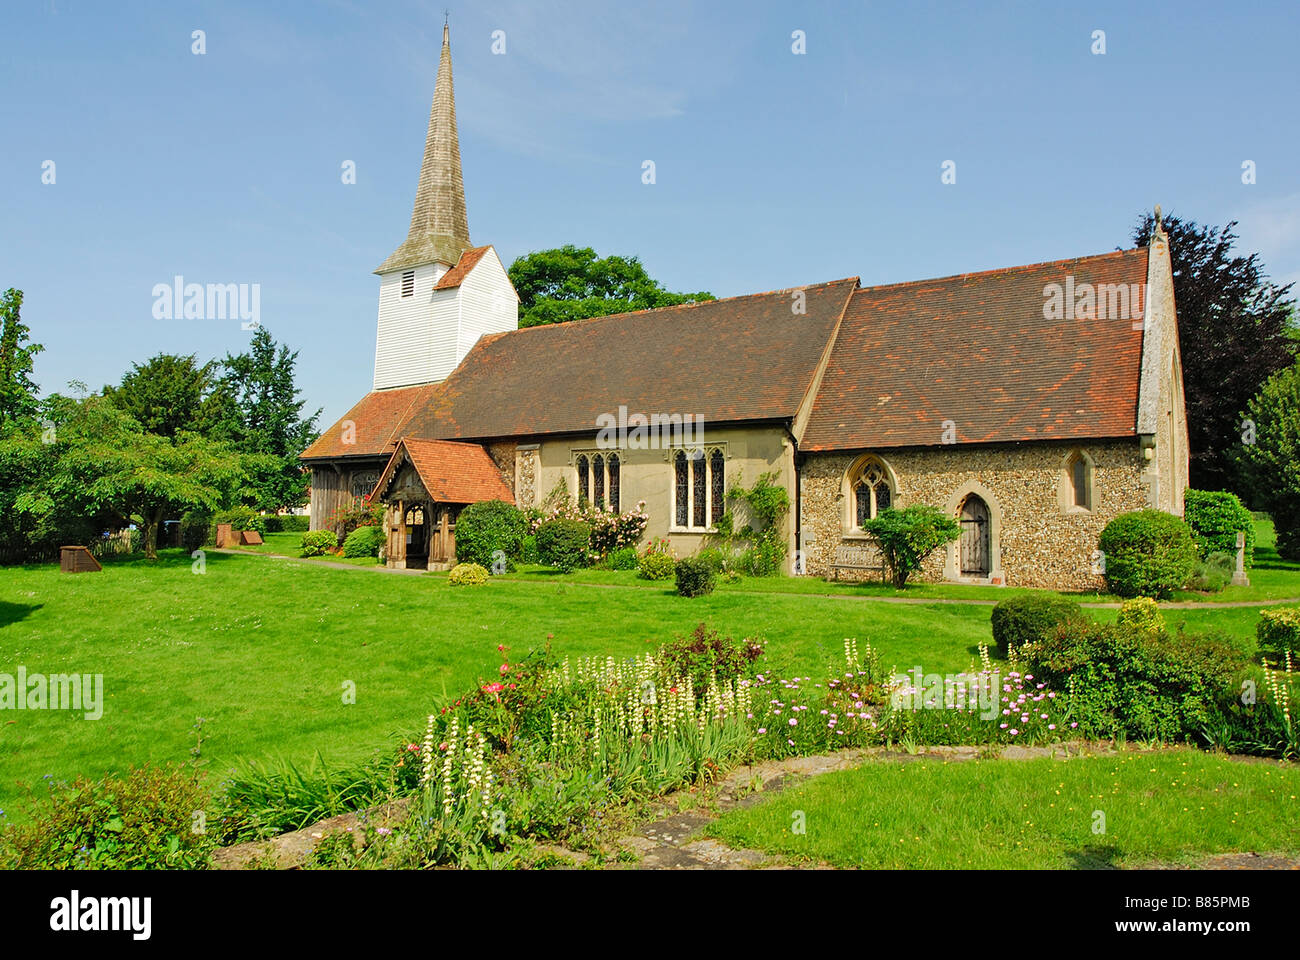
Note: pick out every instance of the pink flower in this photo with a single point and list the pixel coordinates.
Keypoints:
(794, 722)
(762, 729)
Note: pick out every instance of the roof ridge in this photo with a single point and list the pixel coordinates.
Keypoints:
(672, 306)
(1021, 266)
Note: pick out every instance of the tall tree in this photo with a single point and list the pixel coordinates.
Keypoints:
(1234, 330)
(1269, 456)
(261, 414)
(17, 392)
(571, 283)
(168, 394)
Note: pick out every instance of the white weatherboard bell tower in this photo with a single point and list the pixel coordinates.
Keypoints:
(437, 292)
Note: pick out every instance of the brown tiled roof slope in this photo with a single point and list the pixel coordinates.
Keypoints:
(976, 350)
(451, 472)
(742, 358)
(380, 418)
(457, 274)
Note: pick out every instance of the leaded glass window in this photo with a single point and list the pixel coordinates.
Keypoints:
(717, 486)
(598, 480)
(584, 479)
(699, 489)
(871, 491)
(613, 482)
(681, 489)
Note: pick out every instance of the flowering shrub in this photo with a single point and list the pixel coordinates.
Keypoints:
(706, 653)
(363, 513)
(657, 562)
(610, 530)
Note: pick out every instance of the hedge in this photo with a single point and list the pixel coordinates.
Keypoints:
(1019, 621)
(1216, 517)
(489, 530)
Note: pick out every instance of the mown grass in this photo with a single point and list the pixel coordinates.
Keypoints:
(262, 649)
(1169, 806)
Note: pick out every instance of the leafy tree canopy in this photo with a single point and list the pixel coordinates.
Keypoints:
(17, 391)
(906, 537)
(571, 283)
(1268, 456)
(260, 413)
(168, 394)
(1234, 329)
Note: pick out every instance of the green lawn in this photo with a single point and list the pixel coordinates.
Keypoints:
(1176, 805)
(263, 648)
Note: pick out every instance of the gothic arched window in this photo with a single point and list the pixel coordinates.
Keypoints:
(870, 489)
(584, 479)
(699, 487)
(598, 480)
(612, 465)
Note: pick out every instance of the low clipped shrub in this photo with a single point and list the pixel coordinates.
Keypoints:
(1279, 629)
(705, 653)
(1147, 553)
(695, 577)
(564, 544)
(364, 542)
(468, 575)
(1020, 621)
(623, 558)
(141, 821)
(317, 543)
(656, 565)
(1141, 615)
(1213, 573)
(484, 528)
(1216, 517)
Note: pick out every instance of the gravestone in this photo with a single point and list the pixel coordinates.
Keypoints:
(1239, 578)
(78, 560)
(224, 536)
(250, 538)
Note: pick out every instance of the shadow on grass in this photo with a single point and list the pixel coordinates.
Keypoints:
(13, 612)
(1093, 857)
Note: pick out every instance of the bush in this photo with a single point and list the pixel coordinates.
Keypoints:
(705, 654)
(364, 542)
(241, 518)
(1141, 615)
(1148, 553)
(1020, 621)
(288, 523)
(695, 577)
(624, 558)
(196, 528)
(1279, 629)
(141, 821)
(564, 544)
(486, 527)
(316, 543)
(1124, 682)
(906, 537)
(714, 558)
(467, 575)
(656, 565)
(1213, 573)
(1216, 517)
(528, 550)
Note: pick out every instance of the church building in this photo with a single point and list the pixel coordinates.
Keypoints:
(1032, 403)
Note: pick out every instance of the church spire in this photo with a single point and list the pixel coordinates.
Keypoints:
(439, 227)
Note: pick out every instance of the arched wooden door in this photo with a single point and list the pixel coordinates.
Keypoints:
(974, 537)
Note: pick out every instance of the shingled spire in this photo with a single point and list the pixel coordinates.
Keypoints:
(439, 227)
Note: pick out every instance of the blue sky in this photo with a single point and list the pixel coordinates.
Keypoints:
(773, 169)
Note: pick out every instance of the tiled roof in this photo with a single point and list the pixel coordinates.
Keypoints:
(378, 420)
(742, 358)
(451, 472)
(976, 350)
(457, 274)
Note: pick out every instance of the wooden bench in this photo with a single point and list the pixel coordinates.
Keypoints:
(857, 557)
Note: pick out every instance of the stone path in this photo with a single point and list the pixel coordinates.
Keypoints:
(672, 840)
(953, 601)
